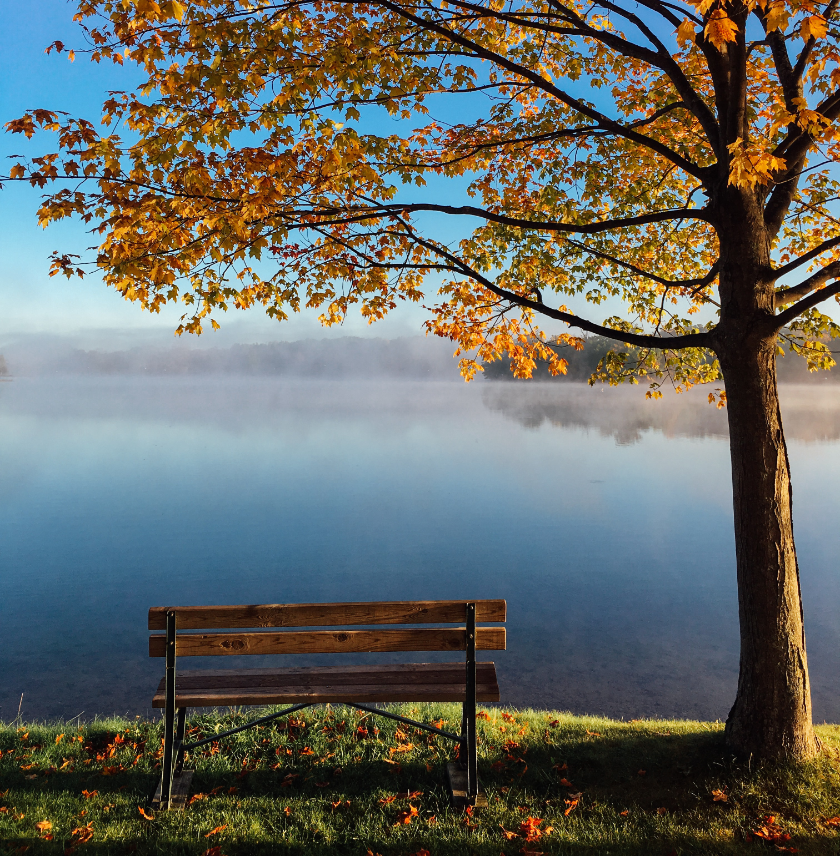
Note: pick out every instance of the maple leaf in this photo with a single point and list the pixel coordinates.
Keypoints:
(685, 33)
(43, 825)
(216, 830)
(145, 814)
(530, 829)
(813, 27)
(405, 817)
(719, 796)
(720, 29)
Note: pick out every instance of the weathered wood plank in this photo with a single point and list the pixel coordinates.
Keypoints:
(315, 694)
(328, 641)
(326, 614)
(412, 673)
(261, 686)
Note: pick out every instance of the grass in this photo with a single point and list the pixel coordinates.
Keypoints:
(322, 782)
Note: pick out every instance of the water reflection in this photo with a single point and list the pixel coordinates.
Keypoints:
(809, 413)
(616, 560)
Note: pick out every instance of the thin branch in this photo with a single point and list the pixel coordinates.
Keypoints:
(669, 283)
(809, 302)
(806, 257)
(548, 87)
(788, 295)
(670, 343)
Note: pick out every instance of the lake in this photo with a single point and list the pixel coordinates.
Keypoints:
(603, 519)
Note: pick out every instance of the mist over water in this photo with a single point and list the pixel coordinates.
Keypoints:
(604, 520)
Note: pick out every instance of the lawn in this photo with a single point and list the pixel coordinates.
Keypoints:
(336, 781)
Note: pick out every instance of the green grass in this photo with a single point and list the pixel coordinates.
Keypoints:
(320, 785)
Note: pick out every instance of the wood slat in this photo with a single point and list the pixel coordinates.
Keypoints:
(292, 687)
(330, 695)
(413, 673)
(328, 641)
(326, 614)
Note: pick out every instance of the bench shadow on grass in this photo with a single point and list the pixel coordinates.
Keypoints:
(640, 772)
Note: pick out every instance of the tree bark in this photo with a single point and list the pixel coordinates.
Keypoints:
(771, 717)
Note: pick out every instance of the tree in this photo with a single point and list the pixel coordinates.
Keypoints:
(677, 156)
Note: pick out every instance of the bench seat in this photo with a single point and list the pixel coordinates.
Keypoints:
(416, 682)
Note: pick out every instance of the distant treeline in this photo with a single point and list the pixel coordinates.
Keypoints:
(581, 364)
(343, 357)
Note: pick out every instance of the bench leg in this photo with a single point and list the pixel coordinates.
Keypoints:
(169, 715)
(179, 740)
(468, 727)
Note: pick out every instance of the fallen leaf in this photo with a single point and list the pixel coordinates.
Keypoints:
(58, 739)
(213, 851)
(144, 813)
(305, 751)
(624, 813)
(216, 831)
(82, 834)
(405, 817)
(507, 834)
(719, 796)
(43, 825)
(662, 810)
(770, 831)
(196, 798)
(566, 783)
(832, 821)
(593, 733)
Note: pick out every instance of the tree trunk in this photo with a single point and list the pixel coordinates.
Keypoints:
(771, 717)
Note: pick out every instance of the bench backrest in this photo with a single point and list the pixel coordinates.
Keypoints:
(262, 641)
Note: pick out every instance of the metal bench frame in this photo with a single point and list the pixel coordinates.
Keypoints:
(174, 745)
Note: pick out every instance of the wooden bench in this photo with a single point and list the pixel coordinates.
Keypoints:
(240, 630)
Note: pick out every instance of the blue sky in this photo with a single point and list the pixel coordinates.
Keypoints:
(85, 310)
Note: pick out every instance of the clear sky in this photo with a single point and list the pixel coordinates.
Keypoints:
(85, 310)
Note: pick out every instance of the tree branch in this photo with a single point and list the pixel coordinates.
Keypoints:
(668, 283)
(670, 343)
(787, 295)
(809, 302)
(803, 259)
(548, 87)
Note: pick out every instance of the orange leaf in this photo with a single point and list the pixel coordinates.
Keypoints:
(719, 796)
(720, 29)
(43, 825)
(144, 813)
(88, 794)
(216, 831)
(405, 817)
(832, 821)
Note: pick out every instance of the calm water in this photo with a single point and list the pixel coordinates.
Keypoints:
(604, 520)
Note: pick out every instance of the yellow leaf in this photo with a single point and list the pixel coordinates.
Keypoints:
(777, 17)
(685, 33)
(720, 29)
(813, 27)
(177, 10)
